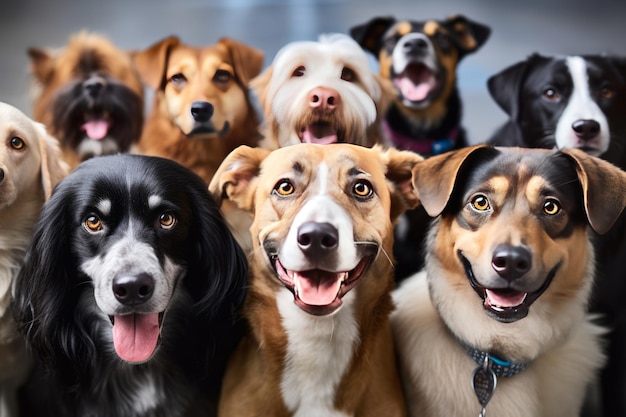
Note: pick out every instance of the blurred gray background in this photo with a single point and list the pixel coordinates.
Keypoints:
(519, 28)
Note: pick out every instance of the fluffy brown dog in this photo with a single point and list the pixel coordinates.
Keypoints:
(30, 166)
(90, 97)
(320, 280)
(322, 92)
(201, 110)
(509, 271)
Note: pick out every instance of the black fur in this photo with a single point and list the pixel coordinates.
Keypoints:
(79, 372)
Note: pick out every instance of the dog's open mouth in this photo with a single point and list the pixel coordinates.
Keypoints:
(137, 336)
(416, 83)
(506, 305)
(319, 292)
(96, 128)
(320, 132)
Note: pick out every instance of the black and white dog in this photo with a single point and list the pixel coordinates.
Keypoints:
(129, 293)
(578, 102)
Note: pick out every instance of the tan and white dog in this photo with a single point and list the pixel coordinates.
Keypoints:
(30, 166)
(322, 92)
(502, 302)
(320, 280)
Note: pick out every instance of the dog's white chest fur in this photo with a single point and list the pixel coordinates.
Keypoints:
(319, 351)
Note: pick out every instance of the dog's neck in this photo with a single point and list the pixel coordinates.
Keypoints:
(422, 146)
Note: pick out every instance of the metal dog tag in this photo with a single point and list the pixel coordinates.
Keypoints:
(484, 384)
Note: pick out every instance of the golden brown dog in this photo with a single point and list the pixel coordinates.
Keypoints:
(510, 268)
(322, 92)
(30, 166)
(90, 96)
(201, 109)
(320, 280)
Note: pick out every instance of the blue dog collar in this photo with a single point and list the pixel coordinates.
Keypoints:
(500, 367)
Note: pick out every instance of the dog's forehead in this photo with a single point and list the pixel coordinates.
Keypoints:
(15, 123)
(404, 27)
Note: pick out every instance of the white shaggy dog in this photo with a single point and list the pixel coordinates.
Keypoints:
(322, 92)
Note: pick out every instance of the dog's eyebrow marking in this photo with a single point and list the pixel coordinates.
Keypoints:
(104, 206)
(356, 172)
(153, 201)
(298, 168)
(431, 27)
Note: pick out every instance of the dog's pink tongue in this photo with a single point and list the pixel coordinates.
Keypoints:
(96, 129)
(135, 336)
(412, 91)
(317, 288)
(508, 299)
(320, 133)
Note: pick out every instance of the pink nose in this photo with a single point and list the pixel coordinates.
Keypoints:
(324, 98)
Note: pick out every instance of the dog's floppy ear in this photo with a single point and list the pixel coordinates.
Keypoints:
(41, 64)
(151, 63)
(234, 179)
(53, 168)
(247, 61)
(467, 34)
(434, 178)
(369, 34)
(506, 85)
(400, 166)
(604, 189)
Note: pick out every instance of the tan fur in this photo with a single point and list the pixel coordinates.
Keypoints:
(437, 307)
(370, 385)
(31, 168)
(53, 69)
(166, 129)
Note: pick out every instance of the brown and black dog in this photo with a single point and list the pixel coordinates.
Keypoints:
(201, 109)
(90, 96)
(421, 60)
(509, 271)
(320, 279)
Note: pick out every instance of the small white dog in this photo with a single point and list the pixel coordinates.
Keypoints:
(322, 92)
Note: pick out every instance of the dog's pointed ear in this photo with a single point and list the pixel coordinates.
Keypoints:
(41, 64)
(506, 85)
(247, 61)
(467, 34)
(370, 34)
(400, 166)
(151, 63)
(235, 177)
(604, 189)
(53, 168)
(434, 179)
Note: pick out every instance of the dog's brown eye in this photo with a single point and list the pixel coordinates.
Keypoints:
(551, 94)
(362, 189)
(348, 75)
(222, 76)
(178, 79)
(298, 72)
(93, 224)
(284, 188)
(607, 93)
(480, 203)
(167, 220)
(17, 143)
(551, 207)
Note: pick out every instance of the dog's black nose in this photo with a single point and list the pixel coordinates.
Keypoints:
(133, 289)
(586, 129)
(415, 46)
(94, 86)
(511, 262)
(316, 239)
(201, 111)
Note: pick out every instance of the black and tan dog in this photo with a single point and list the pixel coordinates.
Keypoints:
(421, 60)
(90, 96)
(509, 271)
(320, 280)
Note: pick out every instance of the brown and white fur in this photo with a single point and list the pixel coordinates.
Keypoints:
(30, 167)
(322, 92)
(89, 96)
(320, 280)
(509, 270)
(201, 109)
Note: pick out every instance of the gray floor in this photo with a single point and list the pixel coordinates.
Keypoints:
(519, 28)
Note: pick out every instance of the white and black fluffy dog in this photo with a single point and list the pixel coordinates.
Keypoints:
(129, 293)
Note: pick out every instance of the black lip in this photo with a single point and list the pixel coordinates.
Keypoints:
(208, 129)
(506, 314)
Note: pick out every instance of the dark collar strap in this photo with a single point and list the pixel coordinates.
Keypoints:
(499, 366)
